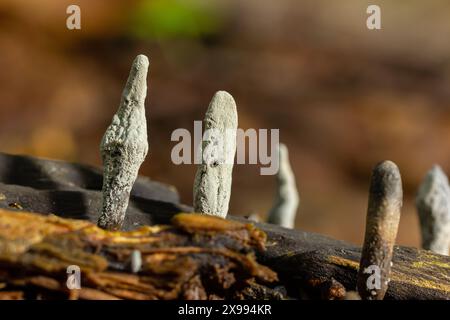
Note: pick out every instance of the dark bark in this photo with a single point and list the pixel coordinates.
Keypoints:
(300, 257)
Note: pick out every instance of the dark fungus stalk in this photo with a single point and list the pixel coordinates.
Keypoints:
(383, 217)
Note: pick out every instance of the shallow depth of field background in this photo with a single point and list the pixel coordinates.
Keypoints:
(343, 97)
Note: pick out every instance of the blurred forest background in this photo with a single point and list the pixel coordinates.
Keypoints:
(343, 97)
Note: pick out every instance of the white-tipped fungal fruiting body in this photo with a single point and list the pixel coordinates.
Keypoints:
(212, 185)
(287, 199)
(136, 261)
(433, 206)
(124, 147)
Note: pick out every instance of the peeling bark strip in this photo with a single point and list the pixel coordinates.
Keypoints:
(124, 147)
(212, 185)
(433, 206)
(196, 257)
(383, 217)
(286, 202)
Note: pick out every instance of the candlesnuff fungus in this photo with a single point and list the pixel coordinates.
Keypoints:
(124, 147)
(383, 217)
(287, 199)
(433, 206)
(212, 185)
(136, 261)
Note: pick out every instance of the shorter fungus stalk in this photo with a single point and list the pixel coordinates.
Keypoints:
(287, 199)
(136, 261)
(433, 206)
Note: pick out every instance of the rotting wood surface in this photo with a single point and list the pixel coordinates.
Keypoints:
(196, 257)
(303, 259)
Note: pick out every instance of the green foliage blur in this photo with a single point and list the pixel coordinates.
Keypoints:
(174, 19)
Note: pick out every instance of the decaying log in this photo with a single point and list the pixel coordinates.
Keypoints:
(196, 257)
(305, 262)
(301, 257)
